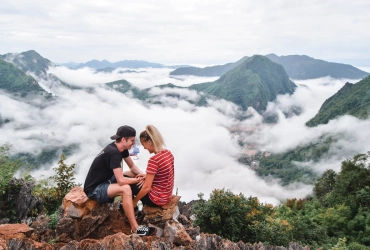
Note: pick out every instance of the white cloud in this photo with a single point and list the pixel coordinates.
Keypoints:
(175, 32)
(204, 148)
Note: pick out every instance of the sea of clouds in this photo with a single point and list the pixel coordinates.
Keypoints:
(205, 150)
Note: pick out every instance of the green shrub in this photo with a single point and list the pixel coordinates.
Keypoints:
(236, 217)
(53, 220)
(53, 189)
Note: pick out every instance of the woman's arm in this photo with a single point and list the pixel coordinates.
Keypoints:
(145, 189)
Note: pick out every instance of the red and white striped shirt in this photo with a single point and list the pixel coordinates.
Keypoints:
(162, 166)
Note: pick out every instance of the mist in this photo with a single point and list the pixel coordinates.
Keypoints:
(205, 149)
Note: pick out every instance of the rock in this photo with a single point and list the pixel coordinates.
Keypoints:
(158, 215)
(186, 208)
(16, 244)
(41, 229)
(76, 204)
(185, 221)
(81, 217)
(20, 192)
(72, 245)
(9, 231)
(177, 233)
(3, 245)
(296, 246)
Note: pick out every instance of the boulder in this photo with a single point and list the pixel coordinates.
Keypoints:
(10, 231)
(76, 204)
(158, 215)
(177, 233)
(81, 217)
(41, 229)
(3, 245)
(16, 244)
(20, 192)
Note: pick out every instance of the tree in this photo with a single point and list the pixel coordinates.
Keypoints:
(236, 217)
(325, 184)
(64, 178)
(352, 183)
(53, 189)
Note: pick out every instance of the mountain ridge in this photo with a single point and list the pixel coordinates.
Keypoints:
(254, 82)
(351, 99)
(299, 67)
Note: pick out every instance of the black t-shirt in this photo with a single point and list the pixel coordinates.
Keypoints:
(101, 169)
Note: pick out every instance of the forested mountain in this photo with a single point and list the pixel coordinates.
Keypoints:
(304, 67)
(217, 70)
(29, 61)
(296, 66)
(351, 99)
(16, 82)
(253, 83)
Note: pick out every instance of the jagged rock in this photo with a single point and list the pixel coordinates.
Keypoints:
(72, 245)
(158, 215)
(20, 192)
(3, 245)
(41, 229)
(16, 244)
(193, 232)
(76, 204)
(83, 224)
(186, 208)
(185, 221)
(177, 233)
(81, 218)
(9, 231)
(296, 246)
(155, 243)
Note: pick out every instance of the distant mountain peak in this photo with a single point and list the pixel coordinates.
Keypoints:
(253, 83)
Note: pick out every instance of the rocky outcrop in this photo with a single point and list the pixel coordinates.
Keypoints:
(159, 215)
(80, 218)
(85, 224)
(20, 192)
(9, 231)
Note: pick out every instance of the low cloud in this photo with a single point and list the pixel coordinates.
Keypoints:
(205, 150)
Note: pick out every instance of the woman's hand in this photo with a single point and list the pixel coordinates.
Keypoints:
(141, 179)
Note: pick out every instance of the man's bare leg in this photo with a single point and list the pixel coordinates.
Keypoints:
(125, 192)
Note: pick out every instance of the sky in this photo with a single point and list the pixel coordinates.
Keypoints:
(187, 32)
(205, 149)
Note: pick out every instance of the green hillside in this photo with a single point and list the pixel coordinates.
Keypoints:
(351, 99)
(15, 81)
(217, 70)
(253, 83)
(305, 67)
(29, 61)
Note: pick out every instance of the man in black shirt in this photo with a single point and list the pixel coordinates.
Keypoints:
(105, 179)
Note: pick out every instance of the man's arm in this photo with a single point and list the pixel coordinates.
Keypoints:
(133, 168)
(121, 180)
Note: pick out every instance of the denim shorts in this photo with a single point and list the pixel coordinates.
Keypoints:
(100, 193)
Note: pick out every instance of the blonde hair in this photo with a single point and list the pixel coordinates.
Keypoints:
(152, 134)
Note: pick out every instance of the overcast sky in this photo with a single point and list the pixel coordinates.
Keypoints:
(186, 32)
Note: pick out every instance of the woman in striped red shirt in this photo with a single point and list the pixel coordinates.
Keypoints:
(158, 181)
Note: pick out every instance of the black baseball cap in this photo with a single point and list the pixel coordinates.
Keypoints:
(124, 131)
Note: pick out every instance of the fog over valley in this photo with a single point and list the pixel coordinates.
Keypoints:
(206, 141)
